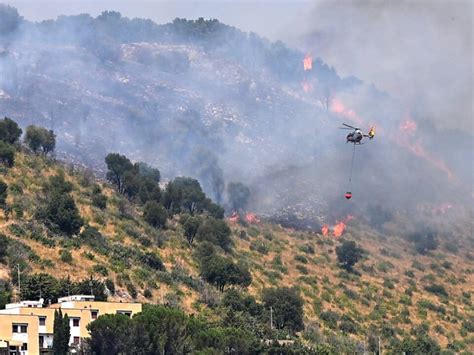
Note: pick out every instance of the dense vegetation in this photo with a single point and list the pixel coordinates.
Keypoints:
(220, 285)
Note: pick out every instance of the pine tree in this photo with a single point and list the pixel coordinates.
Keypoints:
(62, 333)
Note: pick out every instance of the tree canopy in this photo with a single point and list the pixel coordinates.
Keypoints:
(348, 254)
(287, 307)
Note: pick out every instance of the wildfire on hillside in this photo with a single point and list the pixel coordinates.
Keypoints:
(338, 228)
(339, 108)
(307, 62)
(249, 217)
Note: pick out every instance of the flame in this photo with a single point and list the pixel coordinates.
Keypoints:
(234, 217)
(307, 62)
(307, 87)
(251, 218)
(338, 229)
(325, 230)
(407, 126)
(338, 107)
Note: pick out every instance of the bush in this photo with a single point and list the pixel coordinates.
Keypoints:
(301, 259)
(7, 154)
(287, 307)
(155, 214)
(40, 139)
(437, 290)
(65, 256)
(348, 254)
(153, 261)
(99, 201)
(100, 269)
(330, 318)
(61, 212)
(215, 231)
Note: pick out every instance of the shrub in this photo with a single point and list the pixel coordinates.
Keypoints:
(287, 306)
(348, 254)
(65, 256)
(301, 259)
(99, 201)
(330, 318)
(155, 214)
(147, 293)
(259, 246)
(7, 154)
(100, 269)
(437, 290)
(303, 269)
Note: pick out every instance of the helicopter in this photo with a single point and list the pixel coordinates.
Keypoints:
(356, 136)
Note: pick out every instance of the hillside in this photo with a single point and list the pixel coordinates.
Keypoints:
(203, 99)
(386, 296)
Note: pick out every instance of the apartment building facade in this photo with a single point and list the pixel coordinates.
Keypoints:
(27, 327)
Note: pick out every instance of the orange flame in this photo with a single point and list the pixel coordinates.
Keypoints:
(325, 230)
(251, 218)
(307, 62)
(338, 228)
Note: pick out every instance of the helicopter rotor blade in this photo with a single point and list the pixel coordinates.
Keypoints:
(347, 125)
(345, 128)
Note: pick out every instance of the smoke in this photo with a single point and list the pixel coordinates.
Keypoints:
(421, 52)
(202, 99)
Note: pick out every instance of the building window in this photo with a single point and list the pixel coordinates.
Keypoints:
(75, 322)
(24, 346)
(19, 328)
(76, 340)
(41, 341)
(42, 320)
(125, 313)
(94, 314)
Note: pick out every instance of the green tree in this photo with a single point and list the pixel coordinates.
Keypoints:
(3, 194)
(184, 194)
(147, 172)
(111, 334)
(39, 138)
(62, 333)
(238, 195)
(191, 225)
(348, 254)
(287, 306)
(10, 132)
(118, 165)
(215, 231)
(3, 247)
(168, 330)
(7, 154)
(155, 214)
(9, 19)
(61, 212)
(221, 271)
(43, 285)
